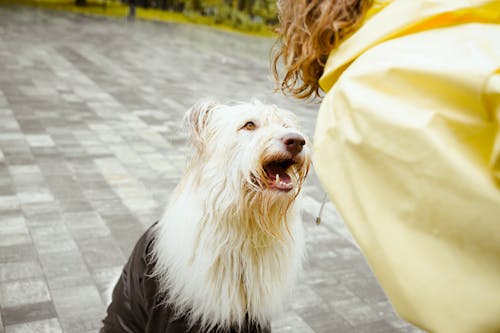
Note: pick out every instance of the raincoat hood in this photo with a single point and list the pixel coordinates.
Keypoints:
(389, 19)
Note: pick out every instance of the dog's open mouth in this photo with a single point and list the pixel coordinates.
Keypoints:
(278, 178)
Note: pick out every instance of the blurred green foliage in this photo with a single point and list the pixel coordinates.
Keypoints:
(257, 17)
(247, 15)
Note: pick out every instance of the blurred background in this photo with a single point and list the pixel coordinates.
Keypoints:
(254, 16)
(92, 144)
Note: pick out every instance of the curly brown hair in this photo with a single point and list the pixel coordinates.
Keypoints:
(308, 31)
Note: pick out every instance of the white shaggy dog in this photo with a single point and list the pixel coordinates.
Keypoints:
(230, 243)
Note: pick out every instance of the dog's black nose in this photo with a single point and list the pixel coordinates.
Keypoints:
(294, 142)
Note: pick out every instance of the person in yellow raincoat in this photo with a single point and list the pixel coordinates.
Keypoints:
(407, 143)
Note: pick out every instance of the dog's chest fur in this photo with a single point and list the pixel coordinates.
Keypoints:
(220, 274)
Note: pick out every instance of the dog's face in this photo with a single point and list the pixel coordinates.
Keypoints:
(260, 148)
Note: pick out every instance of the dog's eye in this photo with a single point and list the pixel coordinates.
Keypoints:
(250, 126)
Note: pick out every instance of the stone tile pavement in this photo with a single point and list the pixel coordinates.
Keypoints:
(91, 145)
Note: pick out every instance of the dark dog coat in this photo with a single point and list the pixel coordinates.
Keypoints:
(138, 307)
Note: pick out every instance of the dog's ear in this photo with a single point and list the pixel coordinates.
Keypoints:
(196, 120)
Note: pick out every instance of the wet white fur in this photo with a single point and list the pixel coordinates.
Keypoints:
(225, 248)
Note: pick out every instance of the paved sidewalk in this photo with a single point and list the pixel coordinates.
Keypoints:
(91, 145)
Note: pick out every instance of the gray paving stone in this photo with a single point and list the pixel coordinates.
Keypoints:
(39, 326)
(28, 312)
(34, 195)
(53, 238)
(63, 187)
(65, 269)
(30, 182)
(369, 291)
(86, 225)
(105, 279)
(97, 190)
(6, 189)
(68, 205)
(376, 327)
(39, 219)
(17, 253)
(19, 270)
(78, 308)
(39, 140)
(18, 158)
(101, 252)
(109, 207)
(23, 292)
(322, 319)
(9, 203)
(290, 323)
(44, 152)
(23, 170)
(92, 145)
(355, 311)
(13, 229)
(306, 297)
(41, 213)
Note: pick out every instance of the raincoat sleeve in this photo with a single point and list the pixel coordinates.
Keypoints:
(407, 145)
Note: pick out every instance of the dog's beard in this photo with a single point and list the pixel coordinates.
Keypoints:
(269, 194)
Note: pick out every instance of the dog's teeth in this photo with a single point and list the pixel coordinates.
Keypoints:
(277, 178)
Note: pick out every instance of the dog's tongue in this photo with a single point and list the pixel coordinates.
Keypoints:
(278, 176)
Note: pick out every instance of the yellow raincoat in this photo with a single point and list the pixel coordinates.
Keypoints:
(407, 145)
